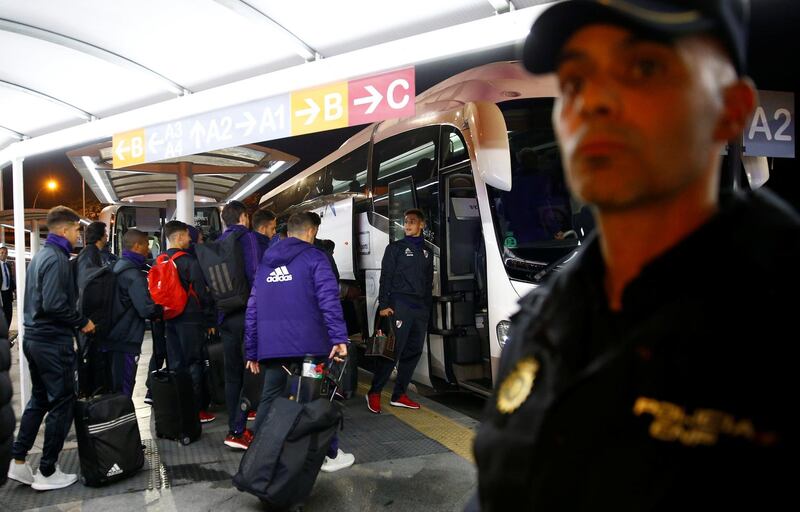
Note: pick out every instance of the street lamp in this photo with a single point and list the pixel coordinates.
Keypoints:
(51, 185)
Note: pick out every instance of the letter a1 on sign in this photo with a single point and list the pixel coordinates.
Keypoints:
(380, 97)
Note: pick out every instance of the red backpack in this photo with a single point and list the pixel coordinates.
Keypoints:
(165, 285)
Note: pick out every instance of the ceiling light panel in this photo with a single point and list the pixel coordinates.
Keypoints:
(195, 43)
(367, 22)
(33, 116)
(82, 80)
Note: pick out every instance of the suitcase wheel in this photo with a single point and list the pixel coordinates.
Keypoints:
(185, 440)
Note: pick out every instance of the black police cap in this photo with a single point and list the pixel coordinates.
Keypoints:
(726, 20)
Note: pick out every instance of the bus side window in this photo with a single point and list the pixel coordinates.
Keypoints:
(454, 149)
(349, 173)
(410, 154)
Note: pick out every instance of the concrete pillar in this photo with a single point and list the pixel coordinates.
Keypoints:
(184, 193)
(19, 247)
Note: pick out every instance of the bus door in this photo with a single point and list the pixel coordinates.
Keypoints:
(404, 194)
(461, 310)
(338, 226)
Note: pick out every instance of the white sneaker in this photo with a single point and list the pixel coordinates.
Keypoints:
(22, 473)
(57, 480)
(342, 460)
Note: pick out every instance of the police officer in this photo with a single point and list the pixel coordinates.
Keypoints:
(654, 372)
(406, 290)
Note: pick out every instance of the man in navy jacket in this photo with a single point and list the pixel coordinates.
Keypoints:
(186, 332)
(406, 292)
(132, 306)
(294, 311)
(51, 320)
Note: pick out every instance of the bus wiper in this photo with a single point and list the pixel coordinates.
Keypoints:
(539, 276)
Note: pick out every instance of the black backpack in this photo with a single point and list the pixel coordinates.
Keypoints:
(223, 268)
(96, 292)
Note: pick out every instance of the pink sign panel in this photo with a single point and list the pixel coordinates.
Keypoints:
(381, 97)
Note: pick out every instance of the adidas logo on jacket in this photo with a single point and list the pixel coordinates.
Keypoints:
(278, 275)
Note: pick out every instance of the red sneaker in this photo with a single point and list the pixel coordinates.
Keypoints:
(404, 401)
(248, 435)
(206, 417)
(241, 442)
(251, 416)
(374, 402)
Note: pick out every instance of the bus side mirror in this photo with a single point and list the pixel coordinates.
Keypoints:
(492, 154)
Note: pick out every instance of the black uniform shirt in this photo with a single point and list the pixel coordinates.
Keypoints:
(681, 400)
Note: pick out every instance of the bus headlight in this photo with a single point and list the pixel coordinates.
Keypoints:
(502, 332)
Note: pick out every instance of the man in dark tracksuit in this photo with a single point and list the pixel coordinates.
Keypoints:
(657, 370)
(231, 325)
(51, 319)
(405, 297)
(132, 306)
(8, 284)
(186, 333)
(88, 261)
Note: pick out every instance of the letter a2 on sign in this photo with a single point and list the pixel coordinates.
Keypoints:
(382, 97)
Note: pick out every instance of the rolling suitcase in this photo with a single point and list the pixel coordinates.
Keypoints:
(215, 370)
(174, 406)
(285, 457)
(109, 444)
(252, 385)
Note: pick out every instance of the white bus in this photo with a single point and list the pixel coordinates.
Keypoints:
(480, 159)
(150, 217)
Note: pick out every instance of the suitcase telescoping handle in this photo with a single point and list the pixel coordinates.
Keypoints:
(337, 379)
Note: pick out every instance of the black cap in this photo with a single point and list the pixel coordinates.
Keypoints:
(725, 19)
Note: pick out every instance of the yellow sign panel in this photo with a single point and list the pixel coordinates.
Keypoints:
(323, 108)
(129, 148)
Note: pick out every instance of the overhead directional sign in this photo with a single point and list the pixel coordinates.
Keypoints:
(361, 101)
(770, 132)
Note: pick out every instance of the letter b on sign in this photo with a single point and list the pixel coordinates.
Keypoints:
(333, 106)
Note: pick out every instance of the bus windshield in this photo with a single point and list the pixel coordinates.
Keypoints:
(538, 222)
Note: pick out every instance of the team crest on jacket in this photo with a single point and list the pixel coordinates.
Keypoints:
(517, 386)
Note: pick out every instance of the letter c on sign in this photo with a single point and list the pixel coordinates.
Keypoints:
(397, 105)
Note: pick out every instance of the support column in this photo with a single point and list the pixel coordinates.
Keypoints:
(34, 237)
(19, 247)
(184, 193)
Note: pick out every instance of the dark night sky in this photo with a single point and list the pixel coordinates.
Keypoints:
(773, 51)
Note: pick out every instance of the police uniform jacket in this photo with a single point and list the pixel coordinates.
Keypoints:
(406, 274)
(7, 421)
(680, 401)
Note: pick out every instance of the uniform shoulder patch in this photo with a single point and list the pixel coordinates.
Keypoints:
(517, 386)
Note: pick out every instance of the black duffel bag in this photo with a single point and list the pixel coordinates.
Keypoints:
(109, 444)
(285, 457)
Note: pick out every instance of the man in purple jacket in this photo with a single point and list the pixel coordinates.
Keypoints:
(294, 311)
(231, 325)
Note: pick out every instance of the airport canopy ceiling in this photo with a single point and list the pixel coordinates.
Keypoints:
(63, 64)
